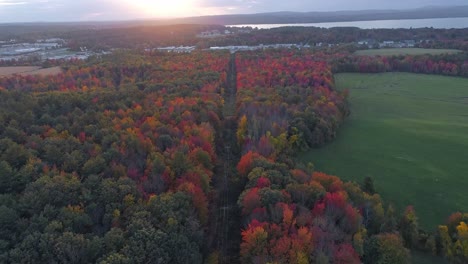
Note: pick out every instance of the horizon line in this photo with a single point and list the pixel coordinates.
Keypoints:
(162, 19)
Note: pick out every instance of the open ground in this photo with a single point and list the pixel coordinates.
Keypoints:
(409, 133)
(29, 70)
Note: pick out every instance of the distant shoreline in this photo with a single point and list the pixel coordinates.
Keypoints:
(280, 17)
(442, 23)
(346, 21)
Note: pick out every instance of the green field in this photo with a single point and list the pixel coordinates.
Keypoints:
(410, 133)
(404, 51)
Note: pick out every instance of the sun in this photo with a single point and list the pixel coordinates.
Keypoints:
(165, 8)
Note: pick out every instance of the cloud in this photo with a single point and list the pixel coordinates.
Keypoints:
(320, 5)
(11, 3)
(80, 10)
(63, 10)
(226, 3)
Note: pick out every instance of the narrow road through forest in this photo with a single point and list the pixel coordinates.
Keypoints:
(224, 233)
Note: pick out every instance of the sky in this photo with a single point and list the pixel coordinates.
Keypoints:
(102, 10)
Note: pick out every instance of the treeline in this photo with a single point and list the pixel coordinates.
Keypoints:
(36, 61)
(291, 214)
(140, 35)
(445, 64)
(117, 173)
(453, 238)
(436, 38)
(132, 37)
(446, 44)
(147, 71)
(287, 97)
(109, 35)
(153, 36)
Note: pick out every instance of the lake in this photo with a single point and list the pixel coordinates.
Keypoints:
(460, 22)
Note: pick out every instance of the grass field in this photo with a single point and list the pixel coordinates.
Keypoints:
(410, 133)
(404, 51)
(45, 71)
(29, 70)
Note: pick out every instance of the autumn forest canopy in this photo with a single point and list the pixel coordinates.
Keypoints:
(142, 156)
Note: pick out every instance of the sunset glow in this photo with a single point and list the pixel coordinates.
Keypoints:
(165, 8)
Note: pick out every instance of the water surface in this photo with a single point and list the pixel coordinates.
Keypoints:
(460, 22)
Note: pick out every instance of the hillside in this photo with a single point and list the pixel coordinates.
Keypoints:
(283, 17)
(317, 17)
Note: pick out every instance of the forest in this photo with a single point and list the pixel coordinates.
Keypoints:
(123, 159)
(147, 35)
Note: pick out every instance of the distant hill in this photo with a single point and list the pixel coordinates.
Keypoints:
(316, 17)
(284, 17)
